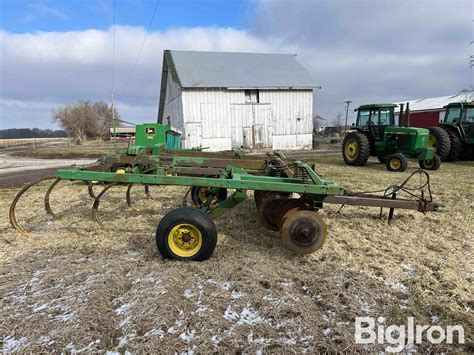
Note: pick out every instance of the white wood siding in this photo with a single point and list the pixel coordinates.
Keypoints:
(173, 105)
(292, 116)
(212, 108)
(221, 119)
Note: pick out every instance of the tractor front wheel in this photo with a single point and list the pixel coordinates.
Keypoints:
(432, 164)
(303, 232)
(355, 149)
(186, 233)
(396, 162)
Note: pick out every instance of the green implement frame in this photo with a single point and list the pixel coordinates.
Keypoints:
(288, 196)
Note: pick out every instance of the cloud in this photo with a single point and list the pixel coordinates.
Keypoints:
(61, 67)
(364, 51)
(41, 10)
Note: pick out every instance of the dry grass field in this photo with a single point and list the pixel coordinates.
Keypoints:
(73, 287)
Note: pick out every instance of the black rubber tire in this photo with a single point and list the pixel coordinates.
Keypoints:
(194, 217)
(433, 164)
(403, 163)
(222, 195)
(443, 145)
(363, 149)
(456, 146)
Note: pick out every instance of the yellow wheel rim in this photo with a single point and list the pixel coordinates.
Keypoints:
(351, 149)
(428, 163)
(395, 164)
(203, 191)
(432, 141)
(185, 240)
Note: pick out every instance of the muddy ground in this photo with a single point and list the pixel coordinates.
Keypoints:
(74, 287)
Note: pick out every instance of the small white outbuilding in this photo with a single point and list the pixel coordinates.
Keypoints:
(226, 100)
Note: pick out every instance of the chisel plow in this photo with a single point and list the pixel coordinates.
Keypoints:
(288, 196)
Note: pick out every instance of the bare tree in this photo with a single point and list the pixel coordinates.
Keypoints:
(85, 120)
(337, 123)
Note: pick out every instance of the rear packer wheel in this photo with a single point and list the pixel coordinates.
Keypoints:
(186, 233)
(267, 207)
(396, 162)
(303, 232)
(355, 149)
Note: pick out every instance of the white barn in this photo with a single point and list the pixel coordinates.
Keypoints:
(231, 100)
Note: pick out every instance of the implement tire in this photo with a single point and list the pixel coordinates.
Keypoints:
(186, 233)
(355, 149)
(456, 146)
(439, 139)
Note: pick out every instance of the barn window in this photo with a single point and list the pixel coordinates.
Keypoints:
(252, 96)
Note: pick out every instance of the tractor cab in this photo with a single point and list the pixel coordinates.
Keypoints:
(458, 126)
(461, 115)
(374, 118)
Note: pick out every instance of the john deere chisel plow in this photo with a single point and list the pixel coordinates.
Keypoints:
(288, 196)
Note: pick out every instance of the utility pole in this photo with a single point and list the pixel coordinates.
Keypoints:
(347, 113)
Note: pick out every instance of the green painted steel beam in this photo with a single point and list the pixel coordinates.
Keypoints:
(232, 181)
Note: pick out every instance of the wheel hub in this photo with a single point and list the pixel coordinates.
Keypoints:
(185, 240)
(352, 149)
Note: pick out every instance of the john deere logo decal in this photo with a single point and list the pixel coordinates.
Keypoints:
(149, 131)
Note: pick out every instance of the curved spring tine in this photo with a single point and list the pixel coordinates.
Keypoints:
(47, 207)
(90, 189)
(147, 191)
(129, 200)
(185, 198)
(95, 207)
(12, 214)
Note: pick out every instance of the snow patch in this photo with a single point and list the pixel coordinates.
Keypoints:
(11, 344)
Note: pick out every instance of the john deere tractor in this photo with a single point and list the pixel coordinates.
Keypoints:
(376, 134)
(458, 126)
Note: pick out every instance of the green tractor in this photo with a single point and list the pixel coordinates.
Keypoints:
(458, 129)
(376, 134)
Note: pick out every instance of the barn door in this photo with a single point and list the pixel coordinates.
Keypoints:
(247, 137)
(262, 123)
(193, 132)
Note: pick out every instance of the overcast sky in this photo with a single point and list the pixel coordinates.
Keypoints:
(55, 52)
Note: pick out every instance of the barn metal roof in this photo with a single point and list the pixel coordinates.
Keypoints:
(238, 70)
(436, 103)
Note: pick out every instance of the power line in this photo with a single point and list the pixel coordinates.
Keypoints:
(113, 54)
(141, 48)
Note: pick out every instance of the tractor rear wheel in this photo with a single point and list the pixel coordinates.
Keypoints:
(186, 233)
(355, 149)
(396, 162)
(439, 139)
(456, 146)
(432, 164)
(303, 232)
(266, 209)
